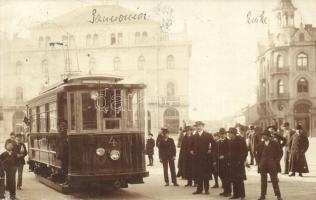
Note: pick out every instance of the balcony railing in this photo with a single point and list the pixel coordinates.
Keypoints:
(168, 101)
(276, 96)
(277, 70)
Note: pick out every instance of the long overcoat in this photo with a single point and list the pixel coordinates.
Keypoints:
(268, 157)
(185, 157)
(298, 146)
(221, 157)
(236, 158)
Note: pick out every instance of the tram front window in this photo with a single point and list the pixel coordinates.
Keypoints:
(89, 113)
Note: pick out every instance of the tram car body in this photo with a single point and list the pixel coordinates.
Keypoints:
(104, 142)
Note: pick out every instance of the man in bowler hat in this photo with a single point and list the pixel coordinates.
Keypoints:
(167, 155)
(268, 156)
(203, 143)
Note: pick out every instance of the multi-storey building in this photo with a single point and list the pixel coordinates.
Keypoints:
(107, 39)
(287, 72)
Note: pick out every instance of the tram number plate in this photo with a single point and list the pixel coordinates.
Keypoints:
(112, 141)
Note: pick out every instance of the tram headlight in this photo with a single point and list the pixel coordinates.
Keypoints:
(115, 155)
(100, 151)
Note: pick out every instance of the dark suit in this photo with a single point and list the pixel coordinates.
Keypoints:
(236, 158)
(221, 156)
(167, 153)
(10, 162)
(20, 150)
(268, 157)
(202, 146)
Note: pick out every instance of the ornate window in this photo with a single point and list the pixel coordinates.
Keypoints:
(18, 68)
(279, 61)
(137, 37)
(302, 62)
(48, 40)
(280, 87)
(88, 40)
(144, 36)
(140, 62)
(116, 63)
(113, 39)
(71, 40)
(92, 63)
(119, 38)
(170, 62)
(19, 94)
(64, 40)
(302, 86)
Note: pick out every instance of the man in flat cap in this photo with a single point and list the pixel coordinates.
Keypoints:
(268, 156)
(203, 143)
(167, 155)
(236, 161)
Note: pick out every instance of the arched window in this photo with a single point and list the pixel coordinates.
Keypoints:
(44, 66)
(113, 39)
(302, 37)
(144, 36)
(279, 61)
(18, 68)
(302, 85)
(170, 89)
(137, 37)
(141, 62)
(47, 41)
(119, 38)
(116, 63)
(280, 87)
(68, 64)
(170, 62)
(88, 40)
(95, 38)
(19, 94)
(302, 61)
(40, 42)
(92, 63)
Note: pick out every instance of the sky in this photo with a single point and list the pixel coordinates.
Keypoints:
(223, 71)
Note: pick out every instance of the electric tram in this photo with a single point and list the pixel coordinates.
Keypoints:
(104, 133)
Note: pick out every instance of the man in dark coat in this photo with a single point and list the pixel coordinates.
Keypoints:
(268, 156)
(298, 147)
(21, 153)
(186, 157)
(12, 140)
(203, 143)
(287, 134)
(9, 160)
(150, 144)
(222, 163)
(236, 161)
(167, 155)
(159, 137)
(62, 152)
(277, 137)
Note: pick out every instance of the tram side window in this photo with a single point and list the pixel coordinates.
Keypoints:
(72, 110)
(37, 119)
(52, 117)
(112, 111)
(42, 121)
(132, 109)
(89, 112)
(32, 115)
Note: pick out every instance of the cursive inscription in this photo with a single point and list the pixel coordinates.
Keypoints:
(98, 18)
(256, 19)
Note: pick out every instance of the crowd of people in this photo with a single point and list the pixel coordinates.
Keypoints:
(11, 162)
(223, 156)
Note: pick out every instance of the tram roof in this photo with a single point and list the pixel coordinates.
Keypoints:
(87, 80)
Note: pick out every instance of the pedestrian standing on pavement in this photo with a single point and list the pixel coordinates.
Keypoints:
(203, 143)
(277, 137)
(214, 167)
(167, 156)
(9, 160)
(150, 144)
(236, 161)
(268, 156)
(222, 164)
(250, 143)
(187, 156)
(287, 134)
(21, 153)
(298, 147)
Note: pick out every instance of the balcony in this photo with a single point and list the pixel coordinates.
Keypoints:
(281, 96)
(276, 70)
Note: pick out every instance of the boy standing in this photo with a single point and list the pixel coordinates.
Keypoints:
(150, 144)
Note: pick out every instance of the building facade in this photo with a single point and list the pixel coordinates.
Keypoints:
(287, 72)
(99, 40)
